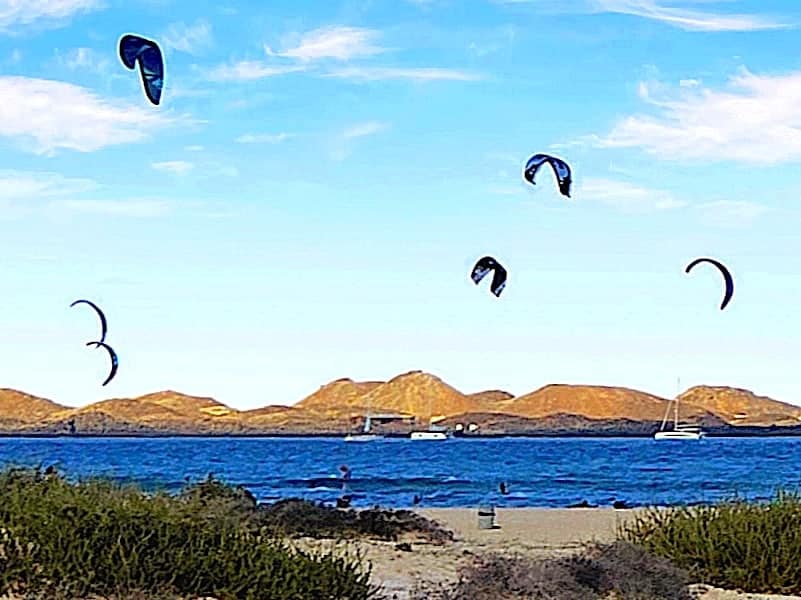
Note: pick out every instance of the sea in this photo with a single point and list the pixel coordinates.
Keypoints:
(460, 472)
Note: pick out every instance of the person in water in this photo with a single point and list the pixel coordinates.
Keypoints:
(503, 488)
(346, 474)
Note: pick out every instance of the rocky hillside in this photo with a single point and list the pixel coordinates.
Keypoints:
(412, 399)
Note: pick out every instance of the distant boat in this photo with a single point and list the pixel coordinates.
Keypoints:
(366, 436)
(429, 436)
(679, 432)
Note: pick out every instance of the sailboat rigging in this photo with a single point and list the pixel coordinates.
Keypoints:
(679, 432)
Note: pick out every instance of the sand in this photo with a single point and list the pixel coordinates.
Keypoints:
(530, 531)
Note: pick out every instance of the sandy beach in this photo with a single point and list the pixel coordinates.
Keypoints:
(527, 531)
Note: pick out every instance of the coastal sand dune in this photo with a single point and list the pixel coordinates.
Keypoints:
(531, 532)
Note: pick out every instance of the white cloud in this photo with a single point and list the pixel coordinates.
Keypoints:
(249, 70)
(731, 213)
(55, 114)
(31, 185)
(124, 208)
(341, 146)
(687, 83)
(364, 129)
(26, 12)
(416, 74)
(692, 20)
(262, 138)
(84, 59)
(193, 148)
(187, 38)
(176, 167)
(757, 121)
(340, 43)
(625, 196)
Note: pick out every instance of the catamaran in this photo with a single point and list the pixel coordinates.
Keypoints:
(679, 432)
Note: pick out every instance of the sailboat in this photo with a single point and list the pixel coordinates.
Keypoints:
(366, 436)
(679, 432)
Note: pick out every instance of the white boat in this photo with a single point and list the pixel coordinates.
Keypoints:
(366, 436)
(679, 432)
(429, 436)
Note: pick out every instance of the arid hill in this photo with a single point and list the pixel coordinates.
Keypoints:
(339, 393)
(490, 397)
(340, 406)
(420, 394)
(593, 402)
(19, 407)
(741, 407)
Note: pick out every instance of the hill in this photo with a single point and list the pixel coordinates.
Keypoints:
(340, 406)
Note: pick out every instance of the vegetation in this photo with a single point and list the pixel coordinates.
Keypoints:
(65, 540)
(619, 570)
(733, 544)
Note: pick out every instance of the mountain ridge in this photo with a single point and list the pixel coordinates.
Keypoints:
(408, 401)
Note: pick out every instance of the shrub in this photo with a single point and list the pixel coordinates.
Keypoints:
(303, 518)
(623, 569)
(62, 540)
(733, 544)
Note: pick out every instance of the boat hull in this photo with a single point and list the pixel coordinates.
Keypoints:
(362, 438)
(678, 435)
(428, 436)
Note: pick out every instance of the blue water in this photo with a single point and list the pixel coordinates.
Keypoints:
(458, 473)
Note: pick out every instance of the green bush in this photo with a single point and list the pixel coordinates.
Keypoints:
(63, 540)
(733, 544)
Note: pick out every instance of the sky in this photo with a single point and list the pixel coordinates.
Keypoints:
(308, 200)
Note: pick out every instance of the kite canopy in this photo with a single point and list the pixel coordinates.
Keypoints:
(560, 168)
(135, 49)
(112, 355)
(103, 325)
(484, 266)
(729, 280)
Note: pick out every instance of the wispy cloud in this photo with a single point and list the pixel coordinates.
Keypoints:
(194, 148)
(188, 38)
(14, 13)
(688, 19)
(364, 129)
(55, 114)
(249, 70)
(625, 196)
(176, 167)
(31, 185)
(262, 138)
(757, 121)
(416, 74)
(731, 213)
(683, 18)
(342, 145)
(84, 59)
(337, 42)
(122, 208)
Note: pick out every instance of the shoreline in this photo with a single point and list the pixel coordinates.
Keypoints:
(768, 433)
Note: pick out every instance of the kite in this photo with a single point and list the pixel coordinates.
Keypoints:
(560, 168)
(135, 49)
(484, 266)
(103, 326)
(726, 276)
(112, 354)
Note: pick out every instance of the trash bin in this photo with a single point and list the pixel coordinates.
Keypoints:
(486, 517)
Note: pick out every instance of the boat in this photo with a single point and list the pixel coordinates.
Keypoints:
(429, 436)
(366, 436)
(679, 432)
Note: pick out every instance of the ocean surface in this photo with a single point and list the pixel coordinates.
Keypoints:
(539, 472)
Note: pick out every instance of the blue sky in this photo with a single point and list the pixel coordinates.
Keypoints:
(308, 200)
